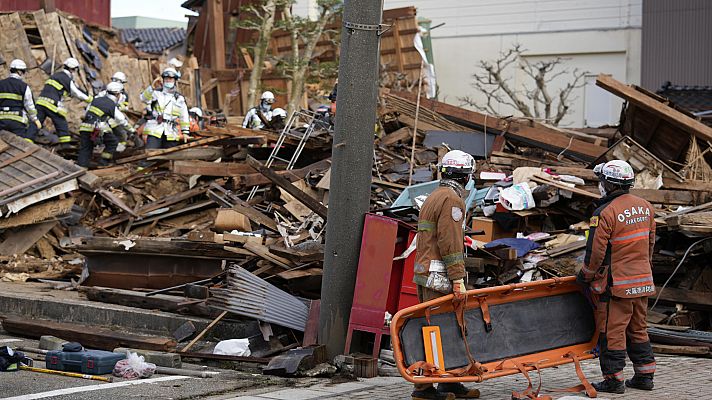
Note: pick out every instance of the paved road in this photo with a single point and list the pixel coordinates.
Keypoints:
(678, 378)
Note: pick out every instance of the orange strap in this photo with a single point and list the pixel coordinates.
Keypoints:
(529, 392)
(585, 384)
(486, 314)
(423, 368)
(472, 367)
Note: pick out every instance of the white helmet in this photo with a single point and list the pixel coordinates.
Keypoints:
(119, 77)
(268, 96)
(170, 72)
(456, 161)
(175, 63)
(71, 63)
(18, 64)
(114, 87)
(617, 172)
(279, 112)
(197, 111)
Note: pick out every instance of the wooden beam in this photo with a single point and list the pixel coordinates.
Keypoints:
(131, 298)
(38, 213)
(217, 34)
(257, 179)
(21, 239)
(190, 145)
(285, 184)
(659, 196)
(654, 106)
(204, 331)
(93, 337)
(691, 299)
(524, 131)
(210, 168)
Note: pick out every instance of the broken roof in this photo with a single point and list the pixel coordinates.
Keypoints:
(695, 99)
(29, 174)
(153, 40)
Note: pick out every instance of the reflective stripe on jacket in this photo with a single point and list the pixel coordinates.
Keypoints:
(620, 245)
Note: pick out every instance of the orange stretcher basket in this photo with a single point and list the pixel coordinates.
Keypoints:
(495, 332)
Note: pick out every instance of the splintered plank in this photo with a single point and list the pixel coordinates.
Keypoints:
(38, 213)
(21, 239)
(89, 336)
(285, 184)
(52, 36)
(71, 32)
(190, 145)
(14, 43)
(654, 106)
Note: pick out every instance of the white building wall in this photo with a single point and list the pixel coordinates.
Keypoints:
(598, 36)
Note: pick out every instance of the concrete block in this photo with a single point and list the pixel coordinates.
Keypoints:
(170, 360)
(51, 343)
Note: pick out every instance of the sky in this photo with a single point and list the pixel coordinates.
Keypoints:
(164, 9)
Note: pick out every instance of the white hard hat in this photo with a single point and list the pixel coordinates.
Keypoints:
(617, 172)
(175, 63)
(170, 72)
(71, 63)
(197, 111)
(267, 95)
(456, 161)
(18, 64)
(114, 87)
(279, 112)
(119, 77)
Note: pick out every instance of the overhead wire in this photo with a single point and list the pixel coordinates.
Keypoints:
(684, 257)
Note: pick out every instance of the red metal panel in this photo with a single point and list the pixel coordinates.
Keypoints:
(374, 271)
(408, 290)
(92, 11)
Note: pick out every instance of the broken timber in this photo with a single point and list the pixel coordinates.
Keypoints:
(304, 198)
(89, 336)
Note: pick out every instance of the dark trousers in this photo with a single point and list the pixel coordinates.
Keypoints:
(153, 143)
(60, 123)
(623, 329)
(16, 127)
(86, 147)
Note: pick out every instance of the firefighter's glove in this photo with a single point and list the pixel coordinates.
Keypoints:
(38, 124)
(458, 287)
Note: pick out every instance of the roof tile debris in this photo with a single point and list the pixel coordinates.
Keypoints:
(153, 40)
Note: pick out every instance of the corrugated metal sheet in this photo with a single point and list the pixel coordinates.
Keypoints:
(251, 296)
(153, 40)
(92, 11)
(677, 43)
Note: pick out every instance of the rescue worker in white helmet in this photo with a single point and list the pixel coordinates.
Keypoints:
(167, 122)
(16, 102)
(439, 261)
(119, 130)
(196, 120)
(260, 116)
(50, 101)
(95, 124)
(618, 272)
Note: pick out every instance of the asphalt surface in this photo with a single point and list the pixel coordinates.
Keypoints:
(34, 385)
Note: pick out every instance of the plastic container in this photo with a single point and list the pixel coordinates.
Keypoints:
(94, 362)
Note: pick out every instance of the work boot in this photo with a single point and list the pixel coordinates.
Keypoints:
(459, 390)
(610, 386)
(640, 382)
(431, 394)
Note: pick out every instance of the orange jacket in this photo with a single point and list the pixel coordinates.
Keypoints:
(619, 249)
(441, 234)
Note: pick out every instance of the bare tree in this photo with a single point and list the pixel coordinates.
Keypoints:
(537, 102)
(261, 18)
(305, 35)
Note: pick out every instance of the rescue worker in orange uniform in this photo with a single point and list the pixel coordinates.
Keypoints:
(439, 260)
(617, 268)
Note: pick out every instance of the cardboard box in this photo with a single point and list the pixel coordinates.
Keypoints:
(492, 230)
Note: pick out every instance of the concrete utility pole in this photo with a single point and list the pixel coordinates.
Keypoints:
(352, 159)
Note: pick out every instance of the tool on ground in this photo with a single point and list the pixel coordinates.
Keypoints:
(65, 373)
(72, 359)
(494, 332)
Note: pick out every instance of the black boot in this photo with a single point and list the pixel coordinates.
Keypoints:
(460, 390)
(431, 394)
(610, 386)
(640, 382)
